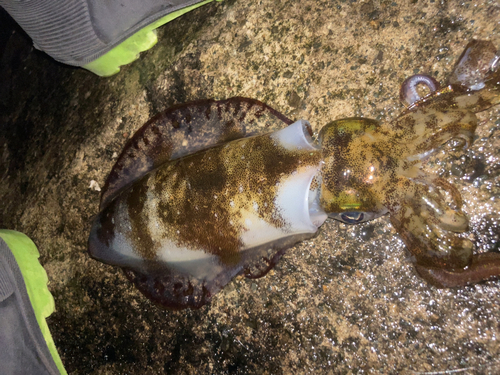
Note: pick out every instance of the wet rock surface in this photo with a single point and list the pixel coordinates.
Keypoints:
(347, 301)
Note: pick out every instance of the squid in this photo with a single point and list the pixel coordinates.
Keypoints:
(197, 198)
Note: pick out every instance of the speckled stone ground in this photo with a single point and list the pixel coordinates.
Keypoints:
(348, 301)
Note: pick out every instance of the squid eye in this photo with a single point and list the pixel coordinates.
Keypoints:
(352, 217)
(356, 217)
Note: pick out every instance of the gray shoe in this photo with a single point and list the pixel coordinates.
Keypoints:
(94, 34)
(24, 348)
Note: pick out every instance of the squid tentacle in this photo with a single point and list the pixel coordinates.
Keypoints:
(475, 65)
(485, 266)
(428, 226)
(423, 131)
(408, 93)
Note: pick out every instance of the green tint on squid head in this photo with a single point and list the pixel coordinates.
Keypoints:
(349, 172)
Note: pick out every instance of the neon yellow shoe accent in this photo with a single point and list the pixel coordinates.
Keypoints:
(35, 278)
(128, 51)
